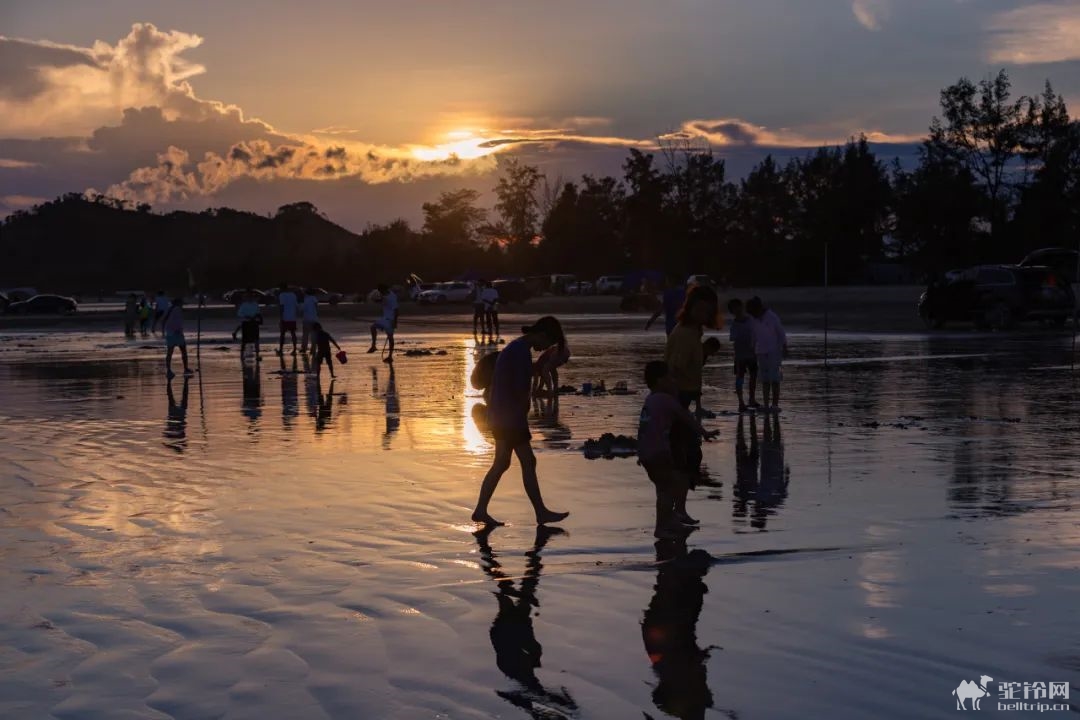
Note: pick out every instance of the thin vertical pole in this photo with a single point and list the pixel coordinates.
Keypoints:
(826, 304)
(1076, 306)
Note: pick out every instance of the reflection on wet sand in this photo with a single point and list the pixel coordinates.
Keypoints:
(393, 409)
(251, 404)
(754, 496)
(290, 392)
(517, 651)
(669, 631)
(957, 534)
(324, 414)
(545, 417)
(176, 425)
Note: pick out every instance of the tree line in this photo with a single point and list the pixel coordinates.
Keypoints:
(996, 176)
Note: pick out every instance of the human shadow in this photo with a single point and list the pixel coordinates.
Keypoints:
(669, 631)
(517, 651)
(175, 433)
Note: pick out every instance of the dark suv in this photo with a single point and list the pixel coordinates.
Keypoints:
(998, 296)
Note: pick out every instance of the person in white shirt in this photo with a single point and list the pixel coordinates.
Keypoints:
(479, 318)
(310, 317)
(770, 346)
(387, 323)
(287, 301)
(489, 296)
(161, 306)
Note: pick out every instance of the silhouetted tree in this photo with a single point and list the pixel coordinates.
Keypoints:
(646, 231)
(934, 207)
(841, 196)
(982, 129)
(451, 223)
(762, 224)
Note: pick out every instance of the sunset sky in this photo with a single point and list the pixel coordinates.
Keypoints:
(368, 109)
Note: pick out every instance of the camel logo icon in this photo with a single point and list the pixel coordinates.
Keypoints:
(968, 690)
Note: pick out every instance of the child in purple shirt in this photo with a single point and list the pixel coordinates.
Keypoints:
(508, 414)
(661, 412)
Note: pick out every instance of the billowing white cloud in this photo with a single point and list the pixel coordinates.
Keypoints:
(871, 14)
(1039, 33)
(52, 89)
(175, 178)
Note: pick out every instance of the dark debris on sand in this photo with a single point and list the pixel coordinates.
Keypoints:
(610, 446)
(423, 352)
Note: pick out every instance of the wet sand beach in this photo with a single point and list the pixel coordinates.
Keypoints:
(248, 544)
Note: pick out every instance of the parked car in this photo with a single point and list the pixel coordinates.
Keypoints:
(325, 296)
(19, 294)
(512, 291)
(580, 287)
(236, 296)
(998, 296)
(44, 305)
(415, 291)
(609, 284)
(702, 280)
(559, 282)
(1062, 260)
(448, 292)
(4, 301)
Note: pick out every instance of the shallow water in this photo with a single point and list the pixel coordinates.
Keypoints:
(256, 545)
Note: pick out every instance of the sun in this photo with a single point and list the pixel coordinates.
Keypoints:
(462, 144)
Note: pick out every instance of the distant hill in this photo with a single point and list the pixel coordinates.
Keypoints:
(78, 245)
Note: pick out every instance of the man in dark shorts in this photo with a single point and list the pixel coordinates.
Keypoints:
(509, 417)
(742, 336)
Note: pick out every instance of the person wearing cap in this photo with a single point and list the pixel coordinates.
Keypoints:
(508, 413)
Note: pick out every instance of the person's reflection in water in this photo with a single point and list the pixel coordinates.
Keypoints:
(176, 423)
(393, 409)
(546, 417)
(772, 490)
(746, 468)
(480, 418)
(290, 392)
(669, 630)
(517, 651)
(325, 414)
(251, 406)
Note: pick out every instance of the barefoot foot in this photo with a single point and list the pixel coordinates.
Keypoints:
(550, 516)
(486, 519)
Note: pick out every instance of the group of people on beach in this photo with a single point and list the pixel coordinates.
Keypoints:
(485, 324)
(296, 306)
(669, 433)
(144, 313)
